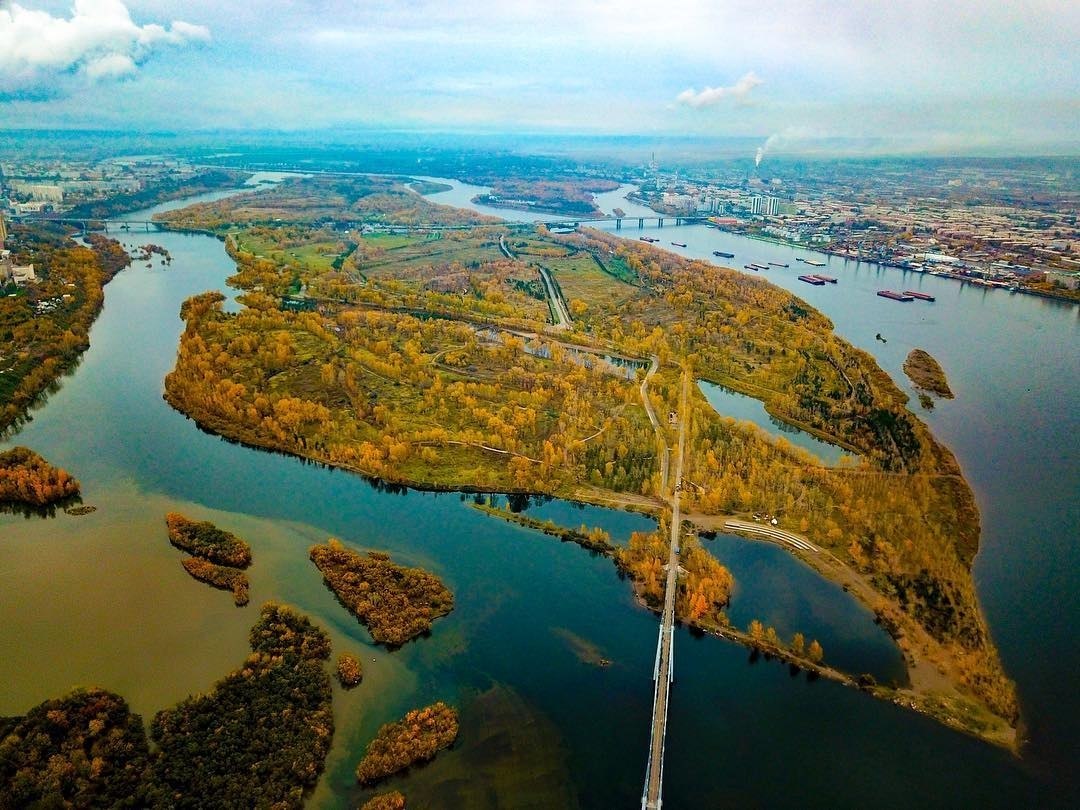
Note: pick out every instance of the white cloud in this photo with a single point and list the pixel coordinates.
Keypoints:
(99, 41)
(712, 95)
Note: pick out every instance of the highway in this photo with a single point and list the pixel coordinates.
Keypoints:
(663, 674)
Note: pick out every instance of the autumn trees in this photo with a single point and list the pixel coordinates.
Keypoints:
(260, 737)
(417, 737)
(395, 603)
(218, 555)
(257, 739)
(704, 590)
(26, 478)
(37, 345)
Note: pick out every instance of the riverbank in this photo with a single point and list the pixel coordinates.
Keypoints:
(47, 323)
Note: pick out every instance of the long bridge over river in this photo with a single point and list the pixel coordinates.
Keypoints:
(120, 224)
(664, 668)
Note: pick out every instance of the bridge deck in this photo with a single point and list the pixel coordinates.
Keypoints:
(664, 672)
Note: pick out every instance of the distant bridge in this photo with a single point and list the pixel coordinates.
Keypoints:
(116, 224)
(97, 223)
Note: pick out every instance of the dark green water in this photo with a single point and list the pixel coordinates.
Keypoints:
(102, 600)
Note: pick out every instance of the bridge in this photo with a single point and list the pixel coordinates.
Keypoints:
(664, 666)
(97, 223)
(658, 220)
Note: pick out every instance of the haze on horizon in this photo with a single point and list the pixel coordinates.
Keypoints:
(914, 76)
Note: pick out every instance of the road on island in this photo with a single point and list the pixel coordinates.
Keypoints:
(560, 315)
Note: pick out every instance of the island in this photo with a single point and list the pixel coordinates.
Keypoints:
(349, 671)
(416, 738)
(563, 196)
(385, 801)
(27, 479)
(395, 603)
(204, 539)
(927, 374)
(218, 556)
(423, 357)
(258, 738)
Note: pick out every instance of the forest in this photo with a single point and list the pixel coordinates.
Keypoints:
(85, 749)
(416, 738)
(257, 739)
(395, 603)
(27, 478)
(426, 359)
(349, 670)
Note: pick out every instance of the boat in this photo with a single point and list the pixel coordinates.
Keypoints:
(919, 295)
(758, 266)
(679, 244)
(817, 282)
(828, 279)
(649, 239)
(723, 255)
(895, 296)
(814, 262)
(777, 264)
(749, 267)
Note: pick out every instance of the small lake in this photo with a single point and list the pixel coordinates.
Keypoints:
(743, 408)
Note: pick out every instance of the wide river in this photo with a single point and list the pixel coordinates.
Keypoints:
(102, 599)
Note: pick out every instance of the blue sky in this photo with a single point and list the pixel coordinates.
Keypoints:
(934, 76)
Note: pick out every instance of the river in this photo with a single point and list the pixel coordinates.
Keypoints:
(102, 599)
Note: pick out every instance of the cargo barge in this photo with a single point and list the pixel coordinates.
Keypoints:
(758, 266)
(895, 296)
(723, 255)
(827, 279)
(811, 262)
(777, 264)
(919, 295)
(817, 282)
(679, 244)
(648, 239)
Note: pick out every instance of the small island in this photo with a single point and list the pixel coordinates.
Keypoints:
(417, 737)
(395, 603)
(385, 801)
(349, 671)
(222, 577)
(29, 480)
(927, 374)
(204, 539)
(217, 555)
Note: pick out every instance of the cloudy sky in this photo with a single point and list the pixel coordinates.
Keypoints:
(940, 76)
